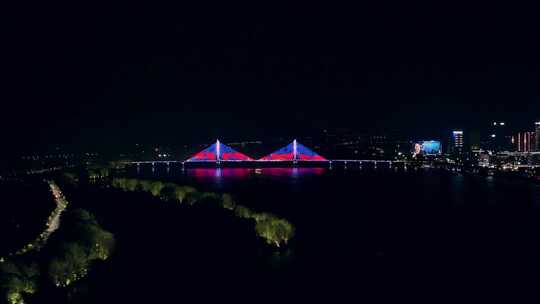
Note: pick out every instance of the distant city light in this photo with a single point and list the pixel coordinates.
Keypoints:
(493, 135)
(501, 123)
(458, 139)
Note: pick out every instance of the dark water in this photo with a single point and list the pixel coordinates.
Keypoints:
(361, 235)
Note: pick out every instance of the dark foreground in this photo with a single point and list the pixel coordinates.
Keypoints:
(360, 235)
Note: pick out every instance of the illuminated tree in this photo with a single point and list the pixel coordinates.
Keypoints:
(275, 231)
(155, 187)
(272, 229)
(97, 242)
(168, 193)
(227, 201)
(70, 266)
(117, 183)
(17, 279)
(182, 192)
(242, 212)
(209, 196)
(193, 197)
(83, 241)
(129, 184)
(143, 185)
(263, 216)
(98, 172)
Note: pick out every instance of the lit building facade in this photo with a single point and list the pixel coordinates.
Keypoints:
(524, 141)
(457, 141)
(500, 139)
(537, 137)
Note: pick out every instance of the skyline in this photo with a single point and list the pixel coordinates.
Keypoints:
(472, 138)
(151, 73)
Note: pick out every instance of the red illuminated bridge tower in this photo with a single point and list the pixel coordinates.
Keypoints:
(219, 152)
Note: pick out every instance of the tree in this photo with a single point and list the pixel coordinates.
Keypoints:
(17, 279)
(275, 230)
(263, 216)
(168, 193)
(118, 183)
(193, 197)
(126, 184)
(272, 229)
(130, 184)
(242, 212)
(182, 192)
(155, 187)
(83, 216)
(83, 242)
(227, 201)
(70, 266)
(210, 197)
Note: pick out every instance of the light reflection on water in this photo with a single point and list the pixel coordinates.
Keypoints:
(244, 173)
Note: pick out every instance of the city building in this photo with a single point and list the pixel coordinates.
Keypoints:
(524, 141)
(537, 137)
(475, 140)
(457, 141)
(483, 160)
(499, 138)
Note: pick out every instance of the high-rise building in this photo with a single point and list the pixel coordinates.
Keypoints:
(457, 141)
(475, 140)
(500, 139)
(524, 141)
(537, 137)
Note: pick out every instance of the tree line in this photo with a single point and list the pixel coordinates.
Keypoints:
(274, 230)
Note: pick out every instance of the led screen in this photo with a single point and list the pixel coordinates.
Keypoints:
(427, 147)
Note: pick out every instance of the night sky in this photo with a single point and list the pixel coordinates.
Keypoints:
(154, 72)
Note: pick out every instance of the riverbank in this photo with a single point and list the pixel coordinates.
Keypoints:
(53, 222)
(24, 212)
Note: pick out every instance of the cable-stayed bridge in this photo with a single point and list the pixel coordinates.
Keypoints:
(294, 152)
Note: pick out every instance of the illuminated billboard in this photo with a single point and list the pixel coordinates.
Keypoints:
(427, 147)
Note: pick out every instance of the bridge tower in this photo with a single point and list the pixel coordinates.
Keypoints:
(295, 152)
(218, 151)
